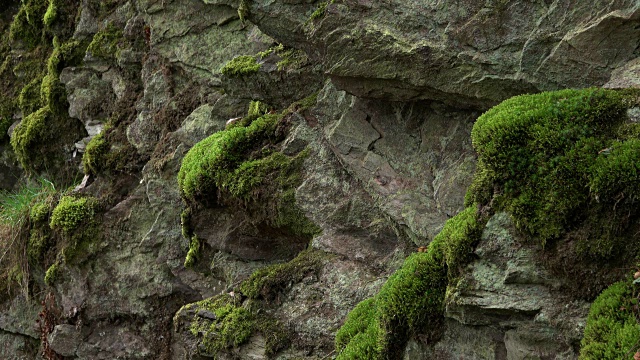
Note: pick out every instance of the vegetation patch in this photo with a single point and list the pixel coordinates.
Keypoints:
(241, 66)
(540, 157)
(20, 252)
(242, 164)
(105, 42)
(612, 330)
(268, 282)
(224, 322)
(412, 300)
(74, 218)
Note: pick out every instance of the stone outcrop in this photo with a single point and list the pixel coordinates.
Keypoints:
(395, 89)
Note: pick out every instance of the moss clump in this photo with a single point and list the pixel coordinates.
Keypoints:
(52, 273)
(257, 109)
(211, 163)
(71, 213)
(105, 42)
(612, 330)
(412, 298)
(231, 326)
(268, 282)
(27, 24)
(241, 66)
(223, 161)
(51, 15)
(537, 153)
(29, 99)
(30, 132)
(94, 156)
(194, 252)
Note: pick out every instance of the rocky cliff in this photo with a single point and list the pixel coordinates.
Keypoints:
(302, 179)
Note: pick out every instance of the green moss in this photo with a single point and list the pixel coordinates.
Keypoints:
(30, 132)
(52, 273)
(105, 42)
(268, 282)
(95, 154)
(412, 298)
(50, 16)
(241, 66)
(320, 11)
(27, 24)
(194, 252)
(616, 173)
(232, 326)
(257, 109)
(39, 212)
(71, 213)
(538, 152)
(37, 246)
(612, 330)
(29, 99)
(243, 10)
(211, 163)
(220, 162)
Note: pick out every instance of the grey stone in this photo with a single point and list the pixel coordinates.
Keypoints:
(65, 339)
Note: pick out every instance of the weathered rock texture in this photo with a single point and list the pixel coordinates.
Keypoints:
(399, 85)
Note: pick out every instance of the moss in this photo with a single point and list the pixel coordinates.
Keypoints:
(105, 42)
(27, 24)
(243, 10)
(232, 326)
(52, 273)
(39, 212)
(612, 330)
(29, 99)
(291, 59)
(51, 15)
(320, 10)
(38, 244)
(241, 66)
(94, 156)
(268, 282)
(71, 213)
(412, 298)
(31, 131)
(194, 252)
(537, 153)
(257, 109)
(211, 162)
(219, 162)
(616, 173)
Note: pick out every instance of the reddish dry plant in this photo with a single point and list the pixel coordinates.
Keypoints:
(47, 319)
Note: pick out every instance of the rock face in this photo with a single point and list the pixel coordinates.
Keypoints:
(380, 97)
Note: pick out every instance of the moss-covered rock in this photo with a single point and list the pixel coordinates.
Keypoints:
(412, 300)
(242, 163)
(543, 158)
(74, 218)
(613, 329)
(268, 282)
(105, 43)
